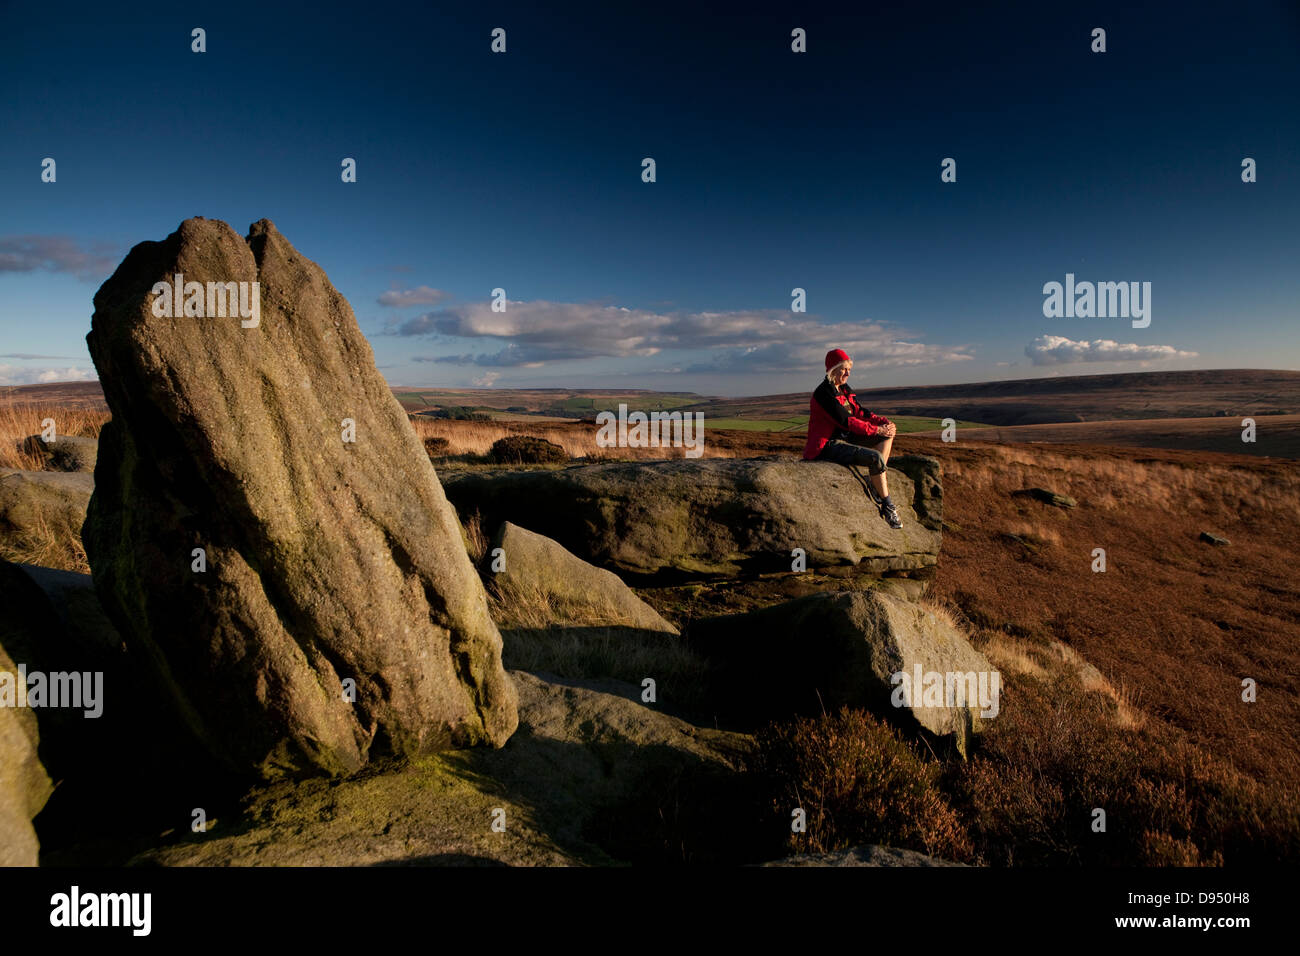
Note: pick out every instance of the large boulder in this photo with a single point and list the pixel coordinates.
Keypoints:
(821, 652)
(24, 785)
(534, 563)
(65, 452)
(335, 613)
(55, 501)
(714, 516)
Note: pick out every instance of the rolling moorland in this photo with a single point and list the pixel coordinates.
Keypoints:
(1171, 627)
(339, 628)
(1199, 410)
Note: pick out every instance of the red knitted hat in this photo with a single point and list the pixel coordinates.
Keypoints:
(835, 357)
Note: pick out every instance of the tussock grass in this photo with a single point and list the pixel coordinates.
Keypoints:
(1037, 533)
(476, 540)
(19, 421)
(1046, 662)
(1110, 484)
(42, 542)
(578, 440)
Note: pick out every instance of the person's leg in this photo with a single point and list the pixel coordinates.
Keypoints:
(880, 449)
(883, 449)
(852, 453)
(880, 483)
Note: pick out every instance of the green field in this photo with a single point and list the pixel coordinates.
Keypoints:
(905, 423)
(638, 402)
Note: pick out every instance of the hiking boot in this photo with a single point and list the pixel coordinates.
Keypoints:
(890, 514)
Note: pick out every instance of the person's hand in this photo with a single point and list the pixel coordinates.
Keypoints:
(889, 430)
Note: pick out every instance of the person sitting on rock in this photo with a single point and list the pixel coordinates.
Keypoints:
(842, 431)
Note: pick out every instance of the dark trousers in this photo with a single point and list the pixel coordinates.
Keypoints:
(853, 453)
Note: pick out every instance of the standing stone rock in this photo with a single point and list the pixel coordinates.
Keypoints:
(326, 560)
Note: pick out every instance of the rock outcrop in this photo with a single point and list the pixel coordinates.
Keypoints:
(56, 500)
(271, 450)
(714, 516)
(65, 453)
(826, 651)
(534, 562)
(1047, 497)
(583, 750)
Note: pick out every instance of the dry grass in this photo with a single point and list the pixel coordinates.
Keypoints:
(1056, 753)
(1110, 483)
(18, 422)
(1036, 532)
(476, 540)
(526, 605)
(44, 543)
(1053, 661)
(578, 439)
(943, 610)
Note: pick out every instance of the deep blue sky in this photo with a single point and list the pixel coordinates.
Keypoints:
(775, 170)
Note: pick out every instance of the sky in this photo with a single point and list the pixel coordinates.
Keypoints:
(774, 171)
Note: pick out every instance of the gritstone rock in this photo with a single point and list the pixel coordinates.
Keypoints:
(326, 560)
(713, 517)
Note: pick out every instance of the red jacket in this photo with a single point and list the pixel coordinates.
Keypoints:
(836, 414)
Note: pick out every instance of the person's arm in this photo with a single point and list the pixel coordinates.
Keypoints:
(883, 424)
(825, 396)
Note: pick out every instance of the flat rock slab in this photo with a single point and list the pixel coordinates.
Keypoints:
(714, 516)
(336, 611)
(581, 746)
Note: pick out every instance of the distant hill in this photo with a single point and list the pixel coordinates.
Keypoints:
(1133, 396)
(1130, 396)
(66, 394)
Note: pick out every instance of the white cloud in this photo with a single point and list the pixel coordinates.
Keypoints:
(57, 254)
(1058, 350)
(486, 379)
(420, 295)
(22, 375)
(530, 334)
